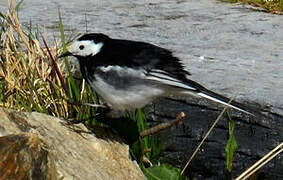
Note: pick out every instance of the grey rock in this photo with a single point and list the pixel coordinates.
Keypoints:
(78, 153)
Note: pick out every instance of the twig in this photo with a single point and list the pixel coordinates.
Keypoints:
(206, 135)
(268, 157)
(162, 126)
(55, 66)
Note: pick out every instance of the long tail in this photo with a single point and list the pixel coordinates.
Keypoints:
(193, 88)
(225, 101)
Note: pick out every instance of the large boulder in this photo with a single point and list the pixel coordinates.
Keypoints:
(38, 146)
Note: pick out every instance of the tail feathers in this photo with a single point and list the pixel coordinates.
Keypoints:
(225, 101)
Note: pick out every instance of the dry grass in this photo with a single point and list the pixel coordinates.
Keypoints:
(27, 80)
(270, 6)
(25, 72)
(260, 163)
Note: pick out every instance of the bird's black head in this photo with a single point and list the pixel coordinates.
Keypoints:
(87, 45)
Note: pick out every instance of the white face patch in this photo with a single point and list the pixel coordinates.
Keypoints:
(84, 48)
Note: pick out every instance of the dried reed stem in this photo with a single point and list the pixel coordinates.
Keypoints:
(265, 159)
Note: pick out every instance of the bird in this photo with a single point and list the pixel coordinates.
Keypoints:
(129, 74)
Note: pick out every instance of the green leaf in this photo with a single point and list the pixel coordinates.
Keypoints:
(231, 145)
(141, 144)
(162, 172)
(142, 125)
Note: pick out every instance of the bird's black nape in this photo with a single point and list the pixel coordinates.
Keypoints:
(96, 37)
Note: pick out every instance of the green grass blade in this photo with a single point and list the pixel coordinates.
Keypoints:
(18, 5)
(231, 145)
(73, 88)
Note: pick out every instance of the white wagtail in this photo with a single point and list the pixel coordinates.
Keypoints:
(130, 74)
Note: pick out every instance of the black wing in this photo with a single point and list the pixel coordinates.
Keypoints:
(136, 54)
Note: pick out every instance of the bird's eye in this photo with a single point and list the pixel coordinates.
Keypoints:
(81, 47)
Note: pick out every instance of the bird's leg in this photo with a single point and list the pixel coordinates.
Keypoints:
(102, 113)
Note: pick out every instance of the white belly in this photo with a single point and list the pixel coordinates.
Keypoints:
(127, 98)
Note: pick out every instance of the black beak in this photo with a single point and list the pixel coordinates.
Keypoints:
(67, 53)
